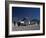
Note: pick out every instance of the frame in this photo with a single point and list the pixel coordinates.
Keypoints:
(10, 6)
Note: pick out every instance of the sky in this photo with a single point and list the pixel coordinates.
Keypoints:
(21, 12)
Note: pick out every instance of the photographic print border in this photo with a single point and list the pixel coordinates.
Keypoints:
(7, 18)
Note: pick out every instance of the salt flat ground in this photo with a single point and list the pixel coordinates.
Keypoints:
(25, 28)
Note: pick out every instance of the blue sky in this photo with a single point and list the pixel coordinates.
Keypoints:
(21, 12)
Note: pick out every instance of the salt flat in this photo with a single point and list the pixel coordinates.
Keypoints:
(24, 28)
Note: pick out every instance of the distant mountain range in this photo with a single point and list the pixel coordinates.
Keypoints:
(25, 19)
